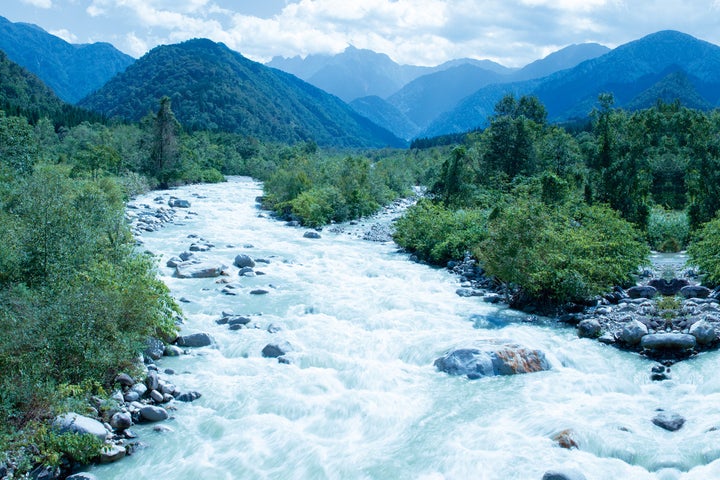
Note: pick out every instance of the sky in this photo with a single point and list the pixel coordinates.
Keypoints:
(416, 32)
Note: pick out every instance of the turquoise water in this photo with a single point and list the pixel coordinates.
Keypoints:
(361, 398)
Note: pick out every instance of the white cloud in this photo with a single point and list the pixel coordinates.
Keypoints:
(65, 35)
(39, 3)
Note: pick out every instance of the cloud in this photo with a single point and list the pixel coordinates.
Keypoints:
(65, 35)
(39, 3)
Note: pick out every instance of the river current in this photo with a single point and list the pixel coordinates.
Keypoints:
(361, 399)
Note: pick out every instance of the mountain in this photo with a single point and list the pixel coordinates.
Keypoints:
(72, 71)
(215, 88)
(564, 58)
(631, 72)
(383, 113)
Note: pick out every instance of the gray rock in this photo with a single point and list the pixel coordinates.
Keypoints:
(111, 454)
(121, 421)
(492, 360)
(131, 396)
(311, 234)
(246, 272)
(173, 351)
(152, 413)
(195, 340)
(633, 332)
(178, 203)
(641, 291)
(259, 291)
(44, 472)
(151, 381)
(671, 422)
(173, 262)
(695, 291)
(668, 288)
(199, 269)
(76, 423)
(188, 396)
(668, 342)
(154, 348)
(242, 261)
(275, 350)
(704, 332)
(82, 476)
(156, 396)
(124, 379)
(139, 388)
(564, 474)
(589, 328)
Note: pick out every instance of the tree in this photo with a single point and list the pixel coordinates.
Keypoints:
(165, 150)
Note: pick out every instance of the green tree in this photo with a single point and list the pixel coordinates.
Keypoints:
(165, 149)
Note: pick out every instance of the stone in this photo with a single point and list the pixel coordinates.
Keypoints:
(704, 332)
(178, 203)
(76, 423)
(121, 421)
(188, 396)
(633, 332)
(589, 328)
(492, 360)
(246, 272)
(668, 342)
(139, 388)
(242, 261)
(641, 291)
(154, 348)
(669, 421)
(156, 396)
(152, 413)
(151, 381)
(259, 291)
(668, 288)
(173, 262)
(44, 472)
(111, 454)
(82, 476)
(124, 379)
(131, 396)
(564, 474)
(199, 269)
(173, 351)
(194, 340)
(566, 439)
(275, 350)
(311, 234)
(695, 291)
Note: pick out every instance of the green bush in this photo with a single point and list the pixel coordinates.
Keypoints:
(560, 254)
(704, 251)
(668, 230)
(437, 234)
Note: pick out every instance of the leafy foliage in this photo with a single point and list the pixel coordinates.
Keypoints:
(704, 251)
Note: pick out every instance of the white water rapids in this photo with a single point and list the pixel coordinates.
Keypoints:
(361, 398)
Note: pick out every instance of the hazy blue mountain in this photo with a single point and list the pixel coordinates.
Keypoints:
(72, 71)
(675, 86)
(629, 72)
(384, 114)
(564, 58)
(215, 88)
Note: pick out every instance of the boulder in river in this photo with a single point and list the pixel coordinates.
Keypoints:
(633, 332)
(275, 350)
(200, 339)
(507, 359)
(175, 202)
(704, 332)
(668, 287)
(199, 269)
(695, 291)
(641, 291)
(669, 421)
(564, 474)
(311, 234)
(589, 328)
(668, 342)
(242, 261)
(152, 413)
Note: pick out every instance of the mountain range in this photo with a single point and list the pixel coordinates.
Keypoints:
(215, 88)
(72, 71)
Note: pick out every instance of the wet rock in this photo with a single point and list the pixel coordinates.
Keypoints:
(589, 328)
(669, 421)
(659, 373)
(152, 413)
(154, 348)
(199, 269)
(246, 272)
(151, 381)
(641, 291)
(188, 396)
(82, 476)
(175, 202)
(311, 234)
(173, 262)
(607, 338)
(493, 360)
(112, 453)
(668, 287)
(633, 332)
(76, 423)
(275, 350)
(564, 474)
(200, 339)
(704, 332)
(121, 421)
(259, 291)
(242, 261)
(173, 351)
(156, 396)
(668, 342)
(124, 379)
(695, 291)
(565, 439)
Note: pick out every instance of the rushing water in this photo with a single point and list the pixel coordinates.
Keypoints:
(361, 398)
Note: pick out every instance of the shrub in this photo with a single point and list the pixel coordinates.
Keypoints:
(704, 251)
(560, 254)
(667, 230)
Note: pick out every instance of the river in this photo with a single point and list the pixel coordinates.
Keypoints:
(361, 399)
